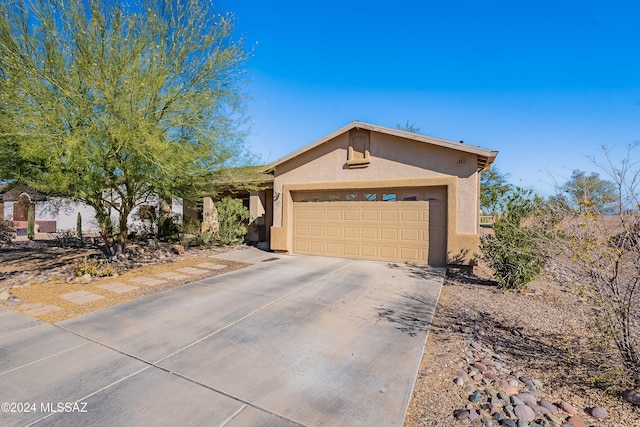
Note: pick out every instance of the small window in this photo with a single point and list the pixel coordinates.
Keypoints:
(410, 198)
(370, 197)
(318, 199)
(351, 197)
(389, 197)
(334, 198)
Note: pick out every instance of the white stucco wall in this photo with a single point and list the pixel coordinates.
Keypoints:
(65, 213)
(8, 210)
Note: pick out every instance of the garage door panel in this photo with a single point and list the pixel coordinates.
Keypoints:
(406, 230)
(409, 235)
(302, 230)
(409, 253)
(410, 215)
(317, 247)
(334, 214)
(301, 246)
(351, 250)
(302, 214)
(334, 249)
(351, 232)
(334, 231)
(369, 251)
(369, 232)
(389, 252)
(388, 234)
(370, 214)
(351, 215)
(389, 215)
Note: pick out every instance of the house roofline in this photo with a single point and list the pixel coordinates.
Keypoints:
(485, 156)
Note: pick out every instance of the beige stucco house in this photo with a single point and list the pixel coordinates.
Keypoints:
(376, 193)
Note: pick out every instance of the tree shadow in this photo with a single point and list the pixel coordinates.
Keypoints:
(419, 271)
(466, 276)
(412, 315)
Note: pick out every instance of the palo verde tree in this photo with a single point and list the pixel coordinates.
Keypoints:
(110, 102)
(494, 191)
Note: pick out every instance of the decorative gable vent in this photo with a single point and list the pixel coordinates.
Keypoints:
(359, 155)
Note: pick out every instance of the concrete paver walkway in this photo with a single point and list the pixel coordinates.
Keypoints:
(293, 341)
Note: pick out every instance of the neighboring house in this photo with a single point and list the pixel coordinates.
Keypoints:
(55, 214)
(372, 192)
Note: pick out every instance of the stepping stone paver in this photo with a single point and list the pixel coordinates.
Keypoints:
(30, 306)
(172, 276)
(149, 281)
(43, 310)
(118, 288)
(191, 270)
(211, 266)
(81, 297)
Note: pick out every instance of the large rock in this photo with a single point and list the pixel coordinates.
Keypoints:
(632, 396)
(524, 412)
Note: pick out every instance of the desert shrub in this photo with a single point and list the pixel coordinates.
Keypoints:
(7, 232)
(203, 238)
(598, 256)
(93, 267)
(513, 251)
(231, 214)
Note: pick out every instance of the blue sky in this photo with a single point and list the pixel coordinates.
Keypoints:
(545, 83)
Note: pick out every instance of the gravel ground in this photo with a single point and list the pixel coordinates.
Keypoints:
(39, 277)
(540, 333)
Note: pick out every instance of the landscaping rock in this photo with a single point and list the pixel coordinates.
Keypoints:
(632, 396)
(524, 412)
(599, 412)
(577, 421)
(568, 408)
(549, 406)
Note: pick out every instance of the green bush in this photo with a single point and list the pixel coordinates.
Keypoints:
(231, 214)
(514, 251)
(7, 232)
(169, 227)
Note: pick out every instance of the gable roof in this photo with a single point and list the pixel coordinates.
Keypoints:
(485, 156)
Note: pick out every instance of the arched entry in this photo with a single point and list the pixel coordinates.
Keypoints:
(21, 209)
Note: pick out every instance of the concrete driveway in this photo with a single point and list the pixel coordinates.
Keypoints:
(290, 340)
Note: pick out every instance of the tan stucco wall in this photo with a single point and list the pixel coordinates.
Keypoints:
(395, 162)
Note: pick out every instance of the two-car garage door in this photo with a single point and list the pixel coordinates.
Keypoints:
(401, 225)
